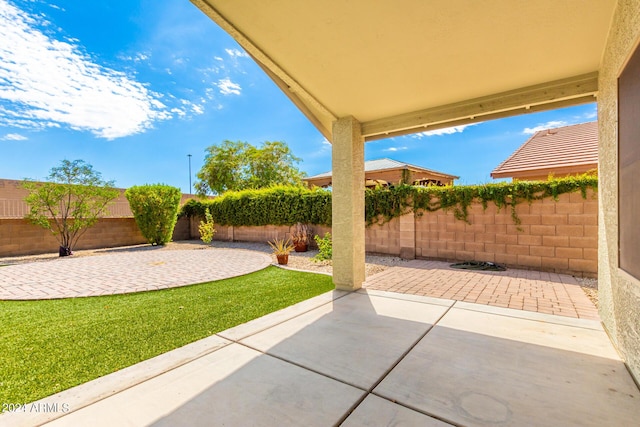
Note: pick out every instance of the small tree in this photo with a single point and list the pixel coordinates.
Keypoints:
(72, 201)
(155, 208)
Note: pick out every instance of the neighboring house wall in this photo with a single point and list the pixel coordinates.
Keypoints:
(12, 203)
(554, 236)
(619, 293)
(393, 176)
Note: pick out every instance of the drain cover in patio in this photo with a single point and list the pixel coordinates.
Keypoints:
(479, 265)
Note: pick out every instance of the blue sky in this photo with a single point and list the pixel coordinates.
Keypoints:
(134, 86)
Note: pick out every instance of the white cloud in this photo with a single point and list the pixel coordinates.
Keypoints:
(179, 112)
(51, 83)
(227, 87)
(319, 149)
(393, 149)
(235, 53)
(443, 131)
(138, 57)
(14, 137)
(543, 126)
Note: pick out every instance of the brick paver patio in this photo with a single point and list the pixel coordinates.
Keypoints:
(144, 270)
(125, 272)
(527, 290)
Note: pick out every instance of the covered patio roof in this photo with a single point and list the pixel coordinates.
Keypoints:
(363, 70)
(403, 67)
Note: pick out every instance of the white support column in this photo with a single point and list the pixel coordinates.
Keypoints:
(348, 204)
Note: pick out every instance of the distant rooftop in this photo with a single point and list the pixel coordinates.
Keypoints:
(560, 151)
(389, 164)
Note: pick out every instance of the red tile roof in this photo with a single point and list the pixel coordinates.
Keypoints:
(569, 149)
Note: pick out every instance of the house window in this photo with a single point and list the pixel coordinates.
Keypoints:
(629, 166)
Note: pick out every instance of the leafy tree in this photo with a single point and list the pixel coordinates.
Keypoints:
(155, 208)
(240, 166)
(72, 200)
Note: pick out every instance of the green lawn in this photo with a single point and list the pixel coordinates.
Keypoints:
(49, 346)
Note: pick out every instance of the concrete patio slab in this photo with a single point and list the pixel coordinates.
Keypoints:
(260, 324)
(225, 388)
(375, 411)
(356, 339)
(368, 359)
(478, 368)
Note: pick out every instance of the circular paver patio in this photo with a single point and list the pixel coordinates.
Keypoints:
(125, 272)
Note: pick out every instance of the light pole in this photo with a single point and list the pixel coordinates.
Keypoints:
(189, 156)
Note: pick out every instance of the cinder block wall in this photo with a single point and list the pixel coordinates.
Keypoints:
(553, 236)
(20, 237)
(558, 236)
(254, 233)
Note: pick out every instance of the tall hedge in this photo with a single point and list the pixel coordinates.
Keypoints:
(270, 206)
(289, 205)
(155, 208)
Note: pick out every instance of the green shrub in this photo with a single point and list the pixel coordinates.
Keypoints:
(290, 205)
(155, 208)
(325, 247)
(206, 227)
(279, 205)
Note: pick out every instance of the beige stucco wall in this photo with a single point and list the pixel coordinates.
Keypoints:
(619, 293)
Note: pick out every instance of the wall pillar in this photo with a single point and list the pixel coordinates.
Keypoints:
(408, 235)
(348, 204)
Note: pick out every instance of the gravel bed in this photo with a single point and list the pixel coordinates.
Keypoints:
(590, 287)
(303, 260)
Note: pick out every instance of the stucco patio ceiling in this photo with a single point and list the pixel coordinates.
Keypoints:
(412, 65)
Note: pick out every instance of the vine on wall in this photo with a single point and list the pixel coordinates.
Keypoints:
(382, 205)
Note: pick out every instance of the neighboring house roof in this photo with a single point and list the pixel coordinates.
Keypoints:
(559, 151)
(385, 164)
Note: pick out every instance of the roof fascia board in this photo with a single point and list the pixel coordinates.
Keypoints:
(294, 90)
(557, 94)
